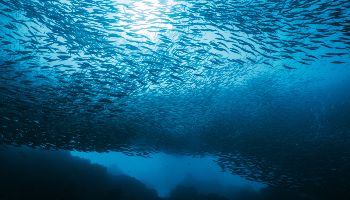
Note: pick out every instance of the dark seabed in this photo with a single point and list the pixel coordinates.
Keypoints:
(175, 99)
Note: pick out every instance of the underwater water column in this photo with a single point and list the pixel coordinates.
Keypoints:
(247, 93)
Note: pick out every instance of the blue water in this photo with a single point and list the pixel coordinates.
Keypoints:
(164, 172)
(252, 93)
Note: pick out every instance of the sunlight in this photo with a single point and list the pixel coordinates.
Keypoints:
(149, 18)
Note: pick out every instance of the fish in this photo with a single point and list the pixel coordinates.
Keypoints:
(304, 63)
(288, 67)
(338, 62)
(105, 100)
(25, 58)
(176, 78)
(64, 57)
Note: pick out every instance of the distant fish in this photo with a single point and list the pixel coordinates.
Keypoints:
(336, 54)
(287, 67)
(9, 62)
(10, 26)
(338, 62)
(267, 63)
(64, 57)
(118, 94)
(50, 59)
(40, 76)
(176, 77)
(311, 56)
(5, 42)
(25, 58)
(104, 100)
(304, 63)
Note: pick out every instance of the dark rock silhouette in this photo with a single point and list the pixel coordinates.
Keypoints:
(33, 174)
(28, 174)
(191, 193)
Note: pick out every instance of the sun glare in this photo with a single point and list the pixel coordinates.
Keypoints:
(150, 17)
